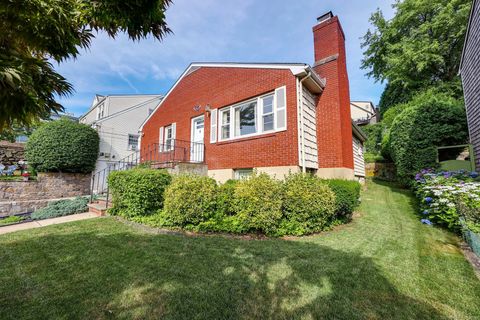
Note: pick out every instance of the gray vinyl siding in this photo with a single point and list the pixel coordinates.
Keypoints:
(123, 117)
(359, 161)
(310, 129)
(470, 73)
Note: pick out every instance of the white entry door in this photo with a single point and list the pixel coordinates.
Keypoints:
(197, 146)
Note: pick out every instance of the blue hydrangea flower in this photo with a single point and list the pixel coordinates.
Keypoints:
(425, 212)
(428, 199)
(473, 174)
(426, 221)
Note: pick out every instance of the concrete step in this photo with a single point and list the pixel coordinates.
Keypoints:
(97, 209)
(103, 202)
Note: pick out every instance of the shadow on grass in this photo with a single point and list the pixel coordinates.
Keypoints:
(119, 274)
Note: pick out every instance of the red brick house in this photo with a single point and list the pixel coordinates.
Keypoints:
(272, 117)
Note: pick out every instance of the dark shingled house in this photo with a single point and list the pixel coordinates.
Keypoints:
(470, 73)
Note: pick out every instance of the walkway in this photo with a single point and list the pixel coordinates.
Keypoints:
(47, 222)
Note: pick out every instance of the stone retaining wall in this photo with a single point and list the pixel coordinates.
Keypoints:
(25, 196)
(11, 153)
(384, 171)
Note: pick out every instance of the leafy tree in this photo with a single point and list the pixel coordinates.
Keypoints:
(34, 33)
(419, 48)
(430, 120)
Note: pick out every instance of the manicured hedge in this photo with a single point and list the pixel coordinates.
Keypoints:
(63, 145)
(258, 203)
(190, 199)
(428, 121)
(308, 205)
(138, 192)
(301, 204)
(347, 194)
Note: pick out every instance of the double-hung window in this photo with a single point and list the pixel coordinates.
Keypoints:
(133, 142)
(266, 113)
(169, 138)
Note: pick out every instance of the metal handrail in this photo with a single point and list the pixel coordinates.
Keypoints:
(171, 152)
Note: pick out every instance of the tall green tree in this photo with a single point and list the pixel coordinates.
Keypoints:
(35, 33)
(419, 48)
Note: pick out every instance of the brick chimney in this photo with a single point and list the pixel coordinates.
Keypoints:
(334, 127)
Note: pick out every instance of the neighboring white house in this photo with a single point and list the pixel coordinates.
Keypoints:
(363, 112)
(117, 119)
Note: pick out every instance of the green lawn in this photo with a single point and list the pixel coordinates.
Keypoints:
(384, 265)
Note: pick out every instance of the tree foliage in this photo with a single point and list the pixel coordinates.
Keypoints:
(430, 120)
(417, 49)
(63, 145)
(33, 33)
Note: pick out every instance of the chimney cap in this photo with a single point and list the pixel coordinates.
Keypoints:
(325, 17)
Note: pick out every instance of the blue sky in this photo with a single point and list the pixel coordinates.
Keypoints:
(219, 30)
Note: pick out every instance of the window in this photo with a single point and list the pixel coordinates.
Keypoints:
(225, 124)
(100, 111)
(169, 138)
(133, 142)
(245, 119)
(263, 114)
(243, 173)
(267, 113)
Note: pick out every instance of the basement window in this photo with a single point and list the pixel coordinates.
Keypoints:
(241, 174)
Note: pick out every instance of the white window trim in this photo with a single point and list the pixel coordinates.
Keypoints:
(129, 146)
(258, 117)
(164, 147)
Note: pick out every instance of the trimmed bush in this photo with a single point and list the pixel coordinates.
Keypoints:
(258, 203)
(190, 199)
(61, 208)
(308, 205)
(428, 121)
(138, 192)
(225, 198)
(63, 145)
(347, 194)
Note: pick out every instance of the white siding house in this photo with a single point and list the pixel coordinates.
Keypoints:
(363, 112)
(358, 149)
(117, 119)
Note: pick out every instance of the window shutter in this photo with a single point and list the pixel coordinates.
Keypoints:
(213, 126)
(174, 134)
(280, 108)
(160, 139)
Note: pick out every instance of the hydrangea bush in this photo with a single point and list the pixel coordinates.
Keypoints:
(443, 194)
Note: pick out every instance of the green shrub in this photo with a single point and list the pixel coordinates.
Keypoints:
(430, 120)
(61, 208)
(225, 198)
(138, 192)
(63, 145)
(190, 199)
(374, 137)
(258, 203)
(308, 205)
(347, 194)
(10, 220)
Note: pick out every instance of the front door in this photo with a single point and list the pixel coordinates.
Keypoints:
(197, 146)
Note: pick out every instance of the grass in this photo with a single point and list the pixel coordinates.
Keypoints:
(384, 265)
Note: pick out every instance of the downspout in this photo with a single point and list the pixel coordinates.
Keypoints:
(302, 125)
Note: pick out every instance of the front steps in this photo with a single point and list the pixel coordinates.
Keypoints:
(99, 207)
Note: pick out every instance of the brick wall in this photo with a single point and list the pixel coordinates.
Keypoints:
(221, 87)
(334, 128)
(470, 73)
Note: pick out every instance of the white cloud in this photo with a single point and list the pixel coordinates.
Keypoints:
(216, 30)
